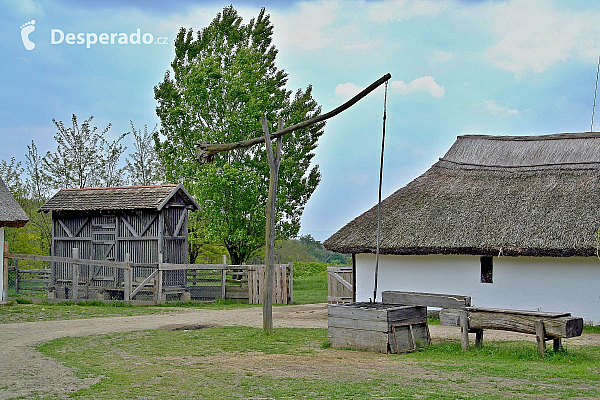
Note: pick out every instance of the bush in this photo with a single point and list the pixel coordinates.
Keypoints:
(309, 268)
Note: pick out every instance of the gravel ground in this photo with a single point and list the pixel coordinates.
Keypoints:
(24, 372)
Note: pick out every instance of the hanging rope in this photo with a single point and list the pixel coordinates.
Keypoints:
(595, 91)
(379, 202)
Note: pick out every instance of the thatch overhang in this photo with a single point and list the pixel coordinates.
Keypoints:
(117, 198)
(11, 213)
(492, 195)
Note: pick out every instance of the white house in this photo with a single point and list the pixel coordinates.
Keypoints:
(11, 214)
(511, 221)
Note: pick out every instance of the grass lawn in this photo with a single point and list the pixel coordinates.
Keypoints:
(16, 312)
(238, 362)
(310, 289)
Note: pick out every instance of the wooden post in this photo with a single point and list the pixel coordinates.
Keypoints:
(540, 336)
(274, 160)
(127, 280)
(464, 330)
(75, 275)
(557, 345)
(291, 285)
(224, 278)
(16, 275)
(479, 338)
(4, 288)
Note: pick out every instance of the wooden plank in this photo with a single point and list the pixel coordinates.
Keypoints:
(407, 313)
(544, 314)
(464, 330)
(4, 292)
(75, 284)
(362, 324)
(16, 276)
(224, 278)
(344, 283)
(357, 339)
(143, 283)
(540, 337)
(425, 299)
(176, 267)
(339, 269)
(561, 327)
(404, 338)
(36, 257)
(343, 311)
(34, 271)
(291, 286)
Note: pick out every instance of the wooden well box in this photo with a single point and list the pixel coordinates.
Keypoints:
(377, 327)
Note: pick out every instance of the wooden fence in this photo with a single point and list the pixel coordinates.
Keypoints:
(339, 285)
(130, 280)
(282, 289)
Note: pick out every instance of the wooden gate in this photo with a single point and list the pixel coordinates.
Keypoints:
(339, 285)
(282, 289)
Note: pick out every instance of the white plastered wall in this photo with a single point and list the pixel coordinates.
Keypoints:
(565, 284)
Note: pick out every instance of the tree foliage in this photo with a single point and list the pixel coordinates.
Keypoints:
(224, 79)
(143, 166)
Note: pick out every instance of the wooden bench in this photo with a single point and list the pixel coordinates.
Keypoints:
(425, 299)
(545, 325)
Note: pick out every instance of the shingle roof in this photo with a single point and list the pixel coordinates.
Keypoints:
(528, 195)
(11, 213)
(116, 198)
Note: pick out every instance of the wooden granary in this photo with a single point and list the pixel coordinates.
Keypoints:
(143, 225)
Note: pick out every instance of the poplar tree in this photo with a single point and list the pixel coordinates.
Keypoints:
(224, 79)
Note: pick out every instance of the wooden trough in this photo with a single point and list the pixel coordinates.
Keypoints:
(377, 327)
(545, 325)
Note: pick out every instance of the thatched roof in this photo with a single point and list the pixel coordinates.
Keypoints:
(525, 195)
(117, 198)
(11, 213)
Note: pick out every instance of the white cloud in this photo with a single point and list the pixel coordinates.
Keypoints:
(491, 107)
(400, 10)
(347, 90)
(423, 84)
(309, 27)
(440, 57)
(29, 8)
(533, 35)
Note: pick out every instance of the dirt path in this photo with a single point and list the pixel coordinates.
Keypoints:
(27, 373)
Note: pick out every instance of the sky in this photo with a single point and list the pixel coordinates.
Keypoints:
(458, 67)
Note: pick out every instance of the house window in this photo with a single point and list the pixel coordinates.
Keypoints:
(487, 270)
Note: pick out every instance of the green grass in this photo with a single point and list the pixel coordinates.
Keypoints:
(310, 288)
(238, 362)
(591, 328)
(23, 310)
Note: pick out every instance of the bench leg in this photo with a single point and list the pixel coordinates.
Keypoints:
(557, 345)
(479, 338)
(540, 336)
(464, 330)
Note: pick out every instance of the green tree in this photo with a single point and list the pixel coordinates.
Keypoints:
(224, 79)
(143, 165)
(83, 157)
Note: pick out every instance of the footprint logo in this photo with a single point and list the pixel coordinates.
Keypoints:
(26, 29)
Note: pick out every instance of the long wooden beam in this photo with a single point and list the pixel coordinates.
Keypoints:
(207, 151)
(557, 327)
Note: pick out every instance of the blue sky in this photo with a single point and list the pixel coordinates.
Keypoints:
(487, 67)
